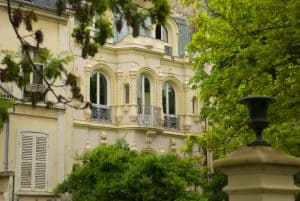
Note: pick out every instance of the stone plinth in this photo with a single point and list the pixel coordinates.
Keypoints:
(259, 173)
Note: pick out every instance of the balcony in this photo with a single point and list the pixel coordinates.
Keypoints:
(149, 116)
(45, 4)
(101, 113)
(171, 122)
(34, 91)
(143, 42)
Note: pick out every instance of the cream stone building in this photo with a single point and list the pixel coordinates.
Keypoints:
(139, 91)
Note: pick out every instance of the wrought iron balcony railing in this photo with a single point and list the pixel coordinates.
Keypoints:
(45, 4)
(171, 122)
(149, 116)
(101, 113)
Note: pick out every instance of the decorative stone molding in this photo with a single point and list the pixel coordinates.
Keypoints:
(133, 147)
(87, 113)
(125, 108)
(102, 139)
(133, 113)
(87, 146)
(119, 115)
(161, 150)
(172, 145)
(187, 123)
(149, 135)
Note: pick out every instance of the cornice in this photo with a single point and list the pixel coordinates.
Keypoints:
(43, 14)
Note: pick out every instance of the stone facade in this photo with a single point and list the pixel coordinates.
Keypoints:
(139, 89)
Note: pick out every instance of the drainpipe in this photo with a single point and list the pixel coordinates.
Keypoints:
(6, 145)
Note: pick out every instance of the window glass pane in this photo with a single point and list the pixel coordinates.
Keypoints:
(164, 99)
(158, 32)
(147, 95)
(164, 34)
(93, 88)
(103, 90)
(171, 100)
(126, 94)
(147, 85)
(37, 78)
(139, 94)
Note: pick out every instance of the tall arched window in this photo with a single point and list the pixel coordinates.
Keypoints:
(169, 103)
(161, 33)
(143, 98)
(98, 89)
(171, 121)
(98, 96)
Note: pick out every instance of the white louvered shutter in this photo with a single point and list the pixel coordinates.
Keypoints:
(40, 162)
(33, 161)
(26, 161)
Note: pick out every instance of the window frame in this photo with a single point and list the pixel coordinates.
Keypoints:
(33, 51)
(98, 87)
(163, 32)
(165, 88)
(141, 90)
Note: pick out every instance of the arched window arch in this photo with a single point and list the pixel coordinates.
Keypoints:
(144, 94)
(98, 89)
(161, 33)
(168, 98)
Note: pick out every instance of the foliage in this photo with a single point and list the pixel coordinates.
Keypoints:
(4, 105)
(116, 173)
(54, 74)
(253, 47)
(94, 13)
(212, 188)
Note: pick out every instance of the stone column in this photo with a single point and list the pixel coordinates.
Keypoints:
(88, 71)
(159, 96)
(120, 93)
(187, 112)
(259, 173)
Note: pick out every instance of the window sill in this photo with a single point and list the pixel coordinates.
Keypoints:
(39, 193)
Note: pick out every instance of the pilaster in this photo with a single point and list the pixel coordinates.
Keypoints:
(133, 95)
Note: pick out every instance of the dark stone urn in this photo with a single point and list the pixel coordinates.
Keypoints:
(258, 108)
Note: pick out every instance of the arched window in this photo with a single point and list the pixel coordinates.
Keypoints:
(171, 121)
(168, 95)
(126, 93)
(161, 33)
(98, 96)
(98, 89)
(143, 98)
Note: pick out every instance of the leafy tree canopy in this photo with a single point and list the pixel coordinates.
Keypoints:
(116, 173)
(244, 48)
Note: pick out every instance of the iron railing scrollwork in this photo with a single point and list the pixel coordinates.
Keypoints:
(149, 116)
(171, 122)
(101, 113)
